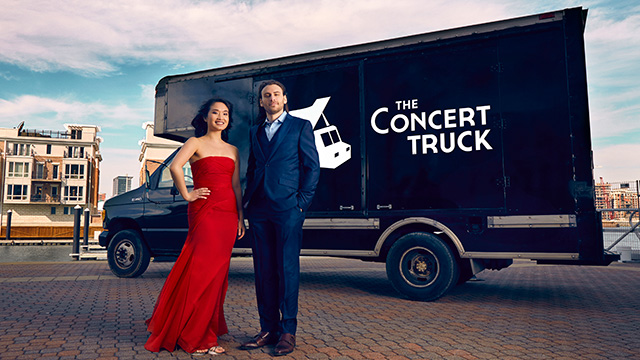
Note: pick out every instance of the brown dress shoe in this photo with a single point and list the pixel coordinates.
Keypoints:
(263, 338)
(286, 345)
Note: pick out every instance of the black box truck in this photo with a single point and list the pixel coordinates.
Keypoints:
(441, 154)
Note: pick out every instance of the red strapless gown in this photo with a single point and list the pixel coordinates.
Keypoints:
(189, 310)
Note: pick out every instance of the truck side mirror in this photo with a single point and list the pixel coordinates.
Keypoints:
(174, 190)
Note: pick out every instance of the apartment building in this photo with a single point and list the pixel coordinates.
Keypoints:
(153, 150)
(44, 174)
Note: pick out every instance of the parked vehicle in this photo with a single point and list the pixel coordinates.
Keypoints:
(442, 154)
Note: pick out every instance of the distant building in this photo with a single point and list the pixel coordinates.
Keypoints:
(153, 150)
(618, 196)
(46, 173)
(121, 184)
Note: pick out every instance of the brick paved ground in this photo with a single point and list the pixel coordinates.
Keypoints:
(348, 311)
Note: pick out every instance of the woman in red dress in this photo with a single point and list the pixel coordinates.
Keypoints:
(189, 311)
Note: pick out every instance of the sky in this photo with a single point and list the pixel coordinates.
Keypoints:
(97, 62)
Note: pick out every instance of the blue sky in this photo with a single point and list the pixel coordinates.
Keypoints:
(98, 62)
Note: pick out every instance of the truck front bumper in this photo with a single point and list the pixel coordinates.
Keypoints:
(104, 238)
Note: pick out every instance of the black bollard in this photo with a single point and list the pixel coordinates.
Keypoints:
(87, 217)
(76, 233)
(8, 232)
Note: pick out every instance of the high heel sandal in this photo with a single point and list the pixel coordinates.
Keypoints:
(216, 350)
(200, 352)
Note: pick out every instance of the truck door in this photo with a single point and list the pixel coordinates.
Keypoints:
(165, 223)
(433, 130)
(328, 97)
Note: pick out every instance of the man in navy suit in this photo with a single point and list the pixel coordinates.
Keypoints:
(282, 174)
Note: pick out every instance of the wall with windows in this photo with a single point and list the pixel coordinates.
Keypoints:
(45, 173)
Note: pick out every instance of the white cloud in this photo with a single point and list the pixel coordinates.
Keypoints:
(617, 162)
(8, 76)
(148, 92)
(47, 113)
(612, 50)
(94, 38)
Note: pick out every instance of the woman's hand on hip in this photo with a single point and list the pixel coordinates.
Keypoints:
(196, 194)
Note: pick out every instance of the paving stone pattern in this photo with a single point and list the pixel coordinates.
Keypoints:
(348, 310)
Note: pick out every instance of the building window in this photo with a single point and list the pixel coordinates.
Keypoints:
(37, 196)
(74, 171)
(66, 211)
(18, 169)
(76, 152)
(48, 148)
(53, 210)
(73, 193)
(55, 170)
(54, 193)
(39, 171)
(21, 149)
(17, 192)
(76, 134)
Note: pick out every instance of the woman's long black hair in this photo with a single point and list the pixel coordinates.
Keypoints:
(200, 124)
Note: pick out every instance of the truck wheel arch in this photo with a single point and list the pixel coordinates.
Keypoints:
(118, 224)
(400, 228)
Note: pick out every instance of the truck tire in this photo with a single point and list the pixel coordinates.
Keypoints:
(127, 255)
(421, 267)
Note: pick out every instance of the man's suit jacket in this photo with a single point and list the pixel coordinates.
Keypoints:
(290, 172)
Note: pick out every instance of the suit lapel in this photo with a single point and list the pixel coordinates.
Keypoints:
(281, 134)
(256, 143)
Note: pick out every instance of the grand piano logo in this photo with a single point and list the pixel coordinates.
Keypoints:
(332, 150)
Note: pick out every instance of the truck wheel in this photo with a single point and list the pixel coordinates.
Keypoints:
(128, 257)
(421, 266)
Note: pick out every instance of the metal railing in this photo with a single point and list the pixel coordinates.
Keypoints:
(619, 207)
(47, 176)
(45, 133)
(45, 198)
(622, 229)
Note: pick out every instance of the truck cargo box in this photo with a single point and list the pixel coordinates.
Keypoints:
(442, 153)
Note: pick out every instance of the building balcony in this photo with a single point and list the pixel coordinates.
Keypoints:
(68, 155)
(45, 199)
(43, 178)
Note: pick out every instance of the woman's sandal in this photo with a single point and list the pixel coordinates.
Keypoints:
(200, 352)
(216, 350)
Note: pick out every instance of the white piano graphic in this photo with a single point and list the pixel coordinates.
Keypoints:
(332, 150)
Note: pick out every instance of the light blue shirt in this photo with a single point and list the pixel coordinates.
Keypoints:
(270, 128)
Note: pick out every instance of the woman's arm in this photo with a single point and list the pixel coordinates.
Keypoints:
(177, 174)
(237, 189)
